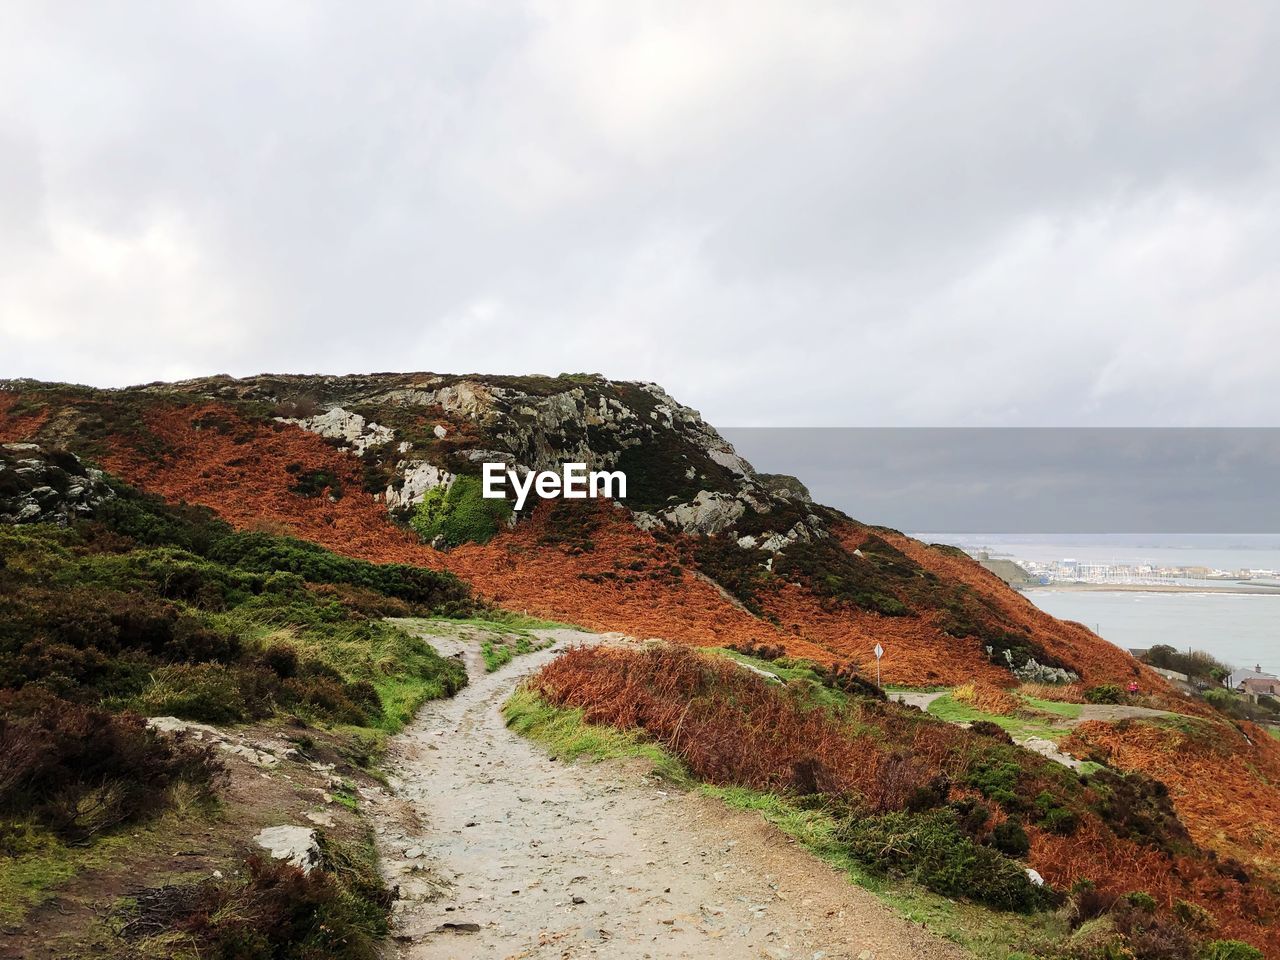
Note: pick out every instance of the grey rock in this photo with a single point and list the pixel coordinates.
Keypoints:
(293, 844)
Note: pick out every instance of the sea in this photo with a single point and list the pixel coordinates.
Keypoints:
(1239, 629)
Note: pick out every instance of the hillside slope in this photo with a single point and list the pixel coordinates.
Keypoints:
(705, 551)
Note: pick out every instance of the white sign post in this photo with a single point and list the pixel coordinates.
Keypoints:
(879, 654)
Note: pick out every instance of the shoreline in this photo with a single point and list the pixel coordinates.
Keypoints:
(1239, 589)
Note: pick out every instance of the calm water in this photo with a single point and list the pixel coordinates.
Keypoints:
(1240, 630)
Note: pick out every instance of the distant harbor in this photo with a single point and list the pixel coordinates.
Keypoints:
(1113, 575)
(1218, 594)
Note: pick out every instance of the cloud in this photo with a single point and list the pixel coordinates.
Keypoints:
(822, 214)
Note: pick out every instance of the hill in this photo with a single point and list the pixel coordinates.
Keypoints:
(367, 490)
(703, 549)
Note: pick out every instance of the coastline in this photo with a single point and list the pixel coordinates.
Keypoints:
(1239, 589)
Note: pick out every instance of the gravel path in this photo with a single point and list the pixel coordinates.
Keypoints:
(1112, 712)
(921, 700)
(516, 855)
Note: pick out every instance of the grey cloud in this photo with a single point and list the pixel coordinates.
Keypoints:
(814, 214)
(1034, 480)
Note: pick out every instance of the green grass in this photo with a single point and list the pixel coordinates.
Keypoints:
(1020, 726)
(892, 688)
(405, 671)
(1068, 710)
(511, 621)
(30, 879)
(566, 736)
(510, 634)
(500, 651)
(495, 621)
(792, 672)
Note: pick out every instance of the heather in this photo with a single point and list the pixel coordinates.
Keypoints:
(167, 610)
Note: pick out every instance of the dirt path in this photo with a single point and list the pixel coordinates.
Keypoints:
(1112, 712)
(519, 856)
(921, 700)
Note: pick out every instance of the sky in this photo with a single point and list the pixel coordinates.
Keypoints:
(1077, 480)
(789, 214)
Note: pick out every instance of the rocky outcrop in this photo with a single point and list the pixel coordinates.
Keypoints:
(296, 846)
(706, 513)
(415, 478)
(683, 475)
(258, 754)
(339, 424)
(47, 486)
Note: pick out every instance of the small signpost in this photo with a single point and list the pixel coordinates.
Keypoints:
(879, 653)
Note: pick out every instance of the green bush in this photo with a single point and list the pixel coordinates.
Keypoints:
(459, 514)
(1230, 950)
(1010, 839)
(931, 849)
(1141, 900)
(1193, 916)
(1053, 816)
(1104, 693)
(315, 483)
(1137, 806)
(171, 573)
(264, 553)
(147, 519)
(997, 780)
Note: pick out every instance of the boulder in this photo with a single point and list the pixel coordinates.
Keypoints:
(47, 486)
(706, 513)
(339, 424)
(295, 845)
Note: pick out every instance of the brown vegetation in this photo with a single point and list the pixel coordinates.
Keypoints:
(1225, 788)
(730, 727)
(987, 698)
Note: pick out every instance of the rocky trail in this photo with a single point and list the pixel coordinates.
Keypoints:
(500, 851)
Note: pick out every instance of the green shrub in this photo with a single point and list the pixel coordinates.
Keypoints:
(1137, 806)
(147, 519)
(264, 553)
(168, 572)
(315, 483)
(997, 780)
(1053, 816)
(1010, 839)
(1104, 693)
(988, 728)
(931, 849)
(460, 514)
(1193, 916)
(1141, 901)
(1230, 950)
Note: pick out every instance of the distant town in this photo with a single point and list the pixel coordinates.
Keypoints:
(1067, 571)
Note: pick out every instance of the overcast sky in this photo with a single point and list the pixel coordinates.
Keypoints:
(787, 213)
